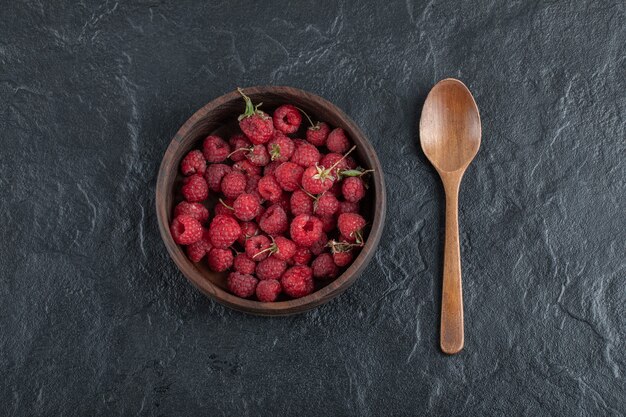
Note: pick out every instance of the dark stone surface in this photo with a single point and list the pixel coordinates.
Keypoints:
(96, 320)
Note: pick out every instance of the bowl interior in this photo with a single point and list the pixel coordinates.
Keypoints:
(220, 117)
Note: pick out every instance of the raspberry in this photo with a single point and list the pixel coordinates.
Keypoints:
(258, 247)
(274, 221)
(353, 189)
(288, 175)
(287, 119)
(325, 205)
(337, 160)
(214, 174)
(248, 229)
(281, 147)
(268, 290)
(240, 144)
(244, 264)
(301, 203)
(258, 156)
(283, 201)
(319, 246)
(223, 231)
(195, 210)
(193, 163)
(305, 230)
(242, 285)
(224, 207)
(351, 226)
(317, 134)
(269, 189)
(195, 188)
(215, 149)
(247, 167)
(329, 223)
(270, 168)
(220, 259)
(284, 248)
(305, 155)
(324, 267)
(233, 184)
(342, 259)
(254, 123)
(246, 207)
(302, 256)
(316, 180)
(186, 230)
(196, 251)
(337, 141)
(270, 268)
(297, 281)
(252, 185)
(348, 207)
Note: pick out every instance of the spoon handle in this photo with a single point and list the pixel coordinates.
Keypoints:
(452, 294)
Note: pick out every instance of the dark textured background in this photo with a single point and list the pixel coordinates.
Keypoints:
(96, 320)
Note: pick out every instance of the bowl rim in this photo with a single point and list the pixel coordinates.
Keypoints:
(321, 296)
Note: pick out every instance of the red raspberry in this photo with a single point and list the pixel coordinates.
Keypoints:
(240, 145)
(214, 174)
(270, 268)
(233, 184)
(287, 119)
(353, 189)
(297, 281)
(268, 290)
(242, 285)
(270, 168)
(186, 230)
(329, 223)
(246, 207)
(258, 156)
(338, 141)
(348, 207)
(220, 259)
(195, 210)
(335, 162)
(247, 168)
(289, 175)
(195, 188)
(302, 256)
(223, 231)
(196, 251)
(248, 229)
(274, 221)
(326, 205)
(258, 247)
(283, 201)
(215, 149)
(324, 267)
(284, 248)
(301, 203)
(224, 207)
(193, 163)
(306, 230)
(319, 246)
(244, 264)
(342, 259)
(316, 180)
(254, 123)
(351, 226)
(317, 134)
(281, 147)
(269, 189)
(305, 155)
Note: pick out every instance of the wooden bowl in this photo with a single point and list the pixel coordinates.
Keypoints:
(219, 117)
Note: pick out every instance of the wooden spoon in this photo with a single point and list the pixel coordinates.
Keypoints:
(450, 137)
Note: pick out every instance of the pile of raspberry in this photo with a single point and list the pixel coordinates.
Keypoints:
(286, 210)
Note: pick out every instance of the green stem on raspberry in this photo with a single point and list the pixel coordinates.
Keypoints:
(226, 205)
(354, 172)
(239, 150)
(342, 158)
(251, 109)
(314, 126)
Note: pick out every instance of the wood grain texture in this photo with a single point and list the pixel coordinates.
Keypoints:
(217, 117)
(450, 134)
